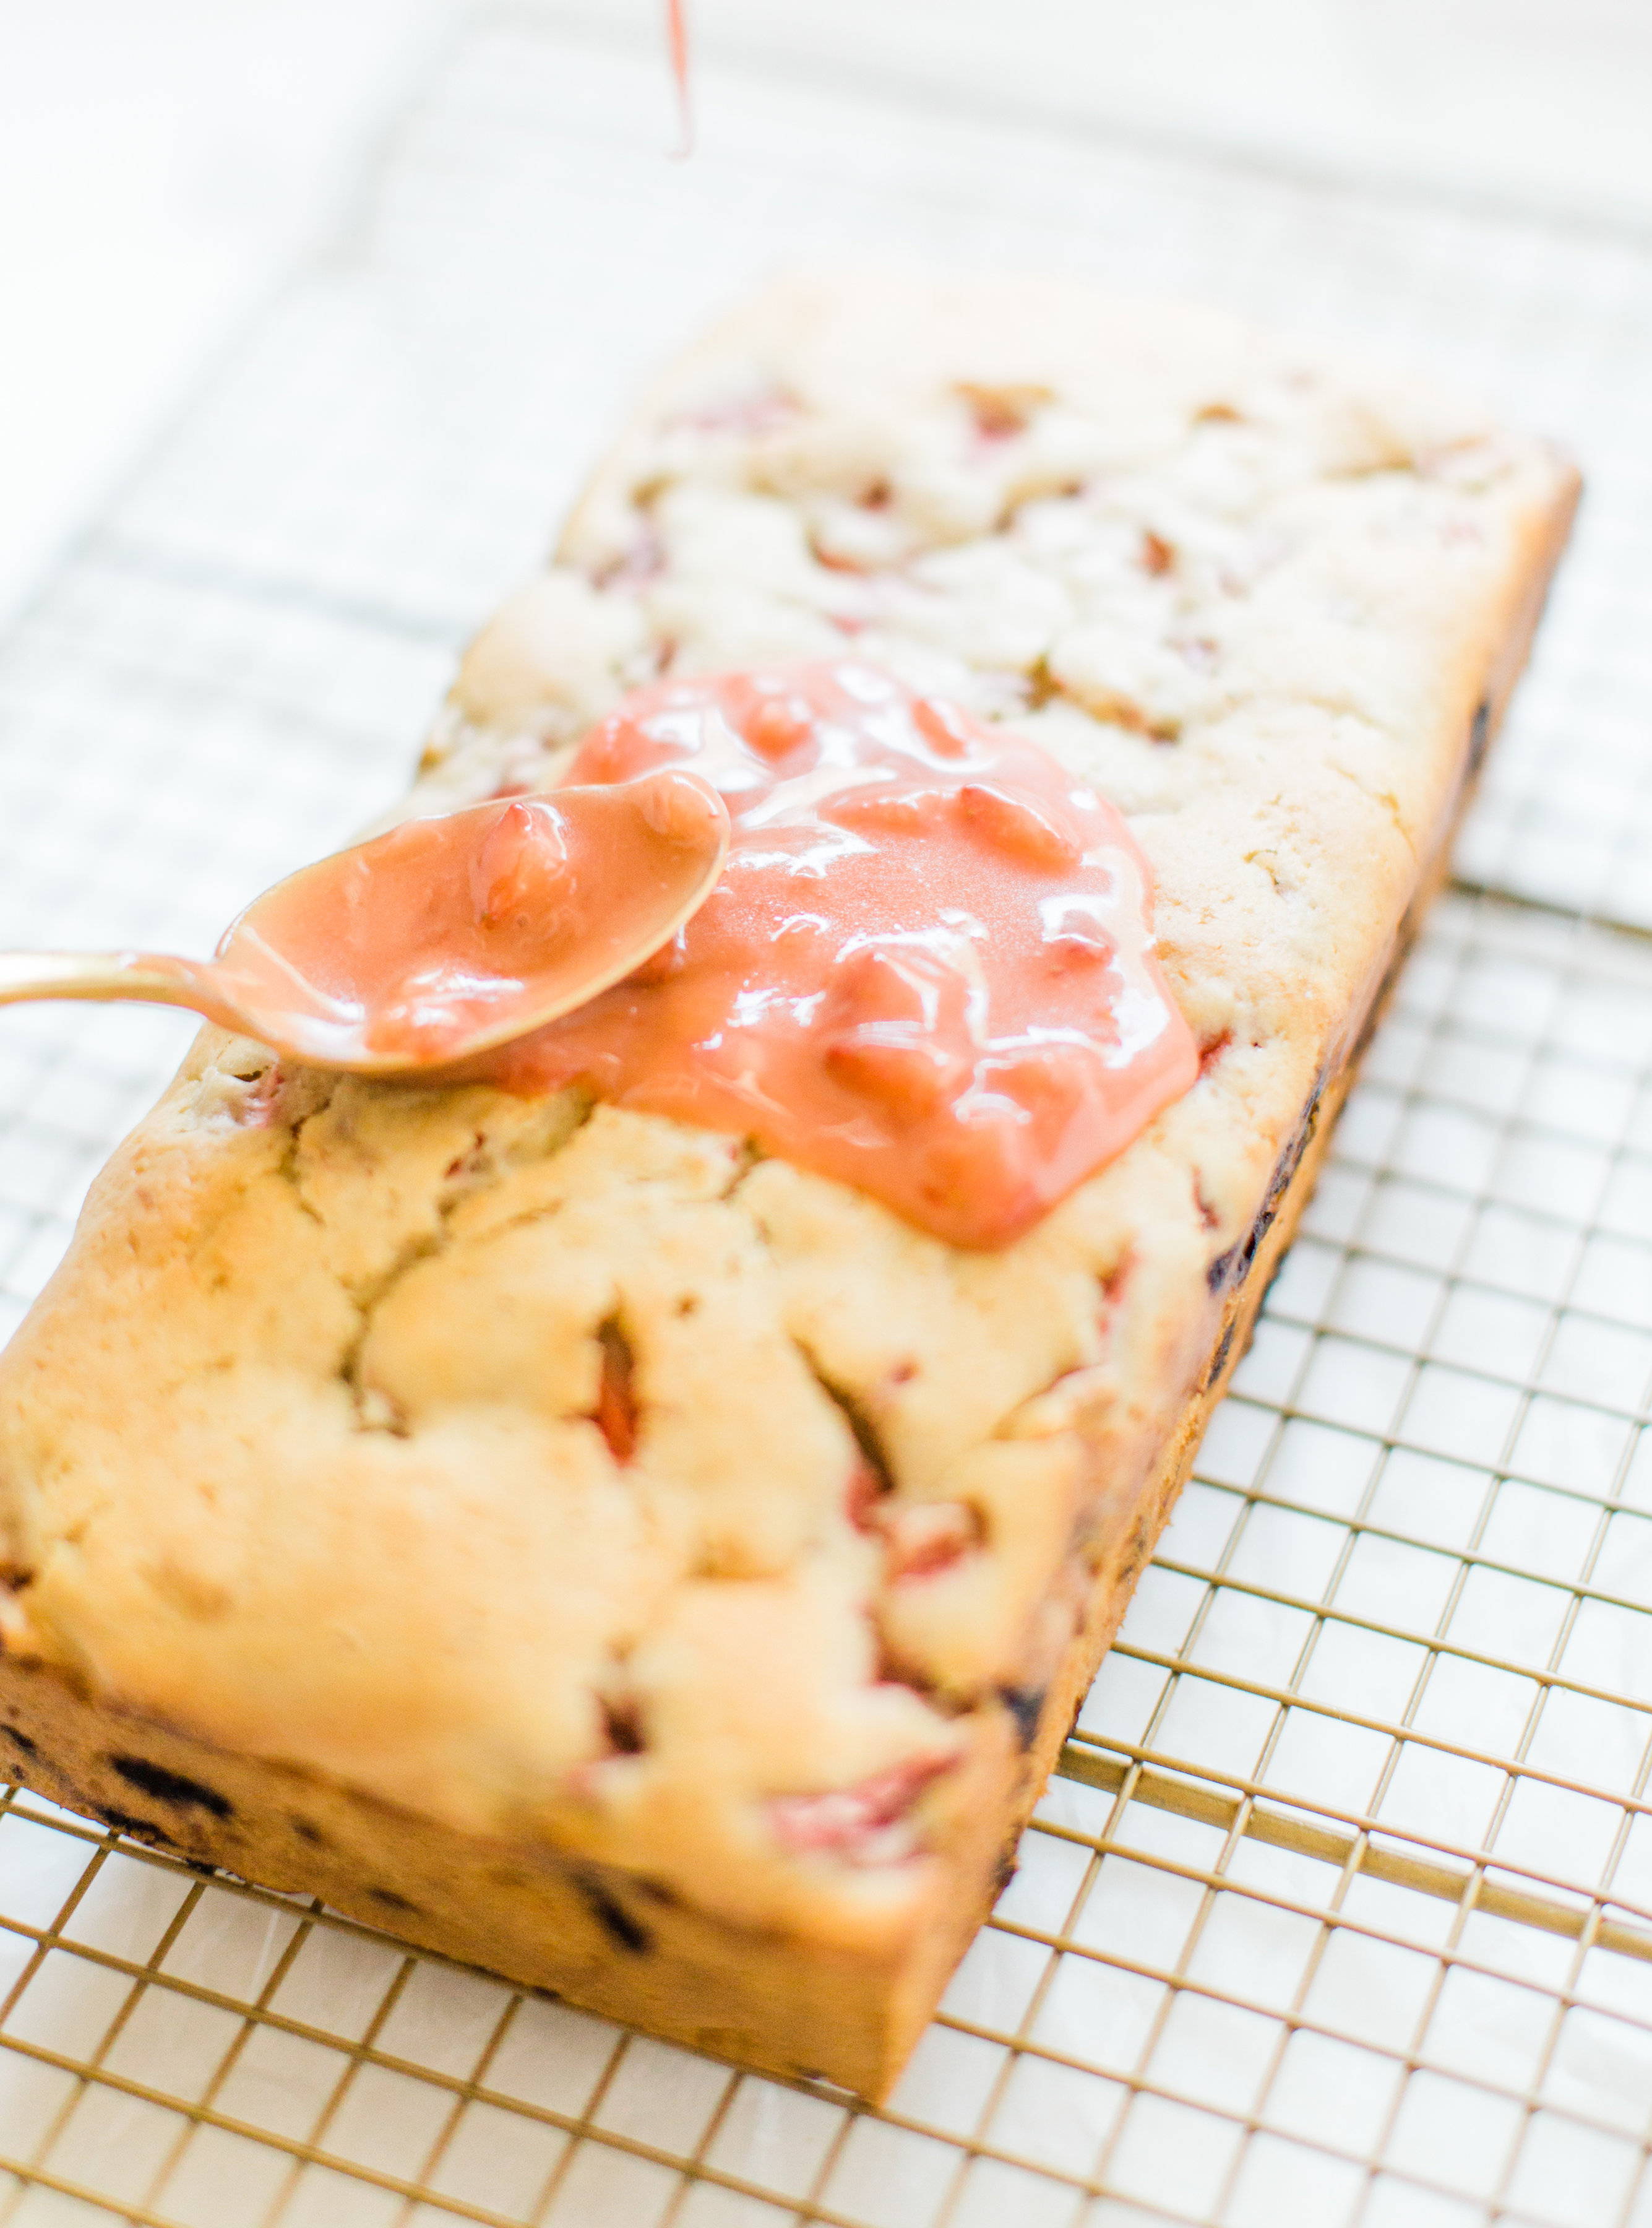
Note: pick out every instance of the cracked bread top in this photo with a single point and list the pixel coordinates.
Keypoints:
(566, 1473)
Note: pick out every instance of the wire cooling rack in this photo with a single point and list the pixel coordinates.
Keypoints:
(1339, 1914)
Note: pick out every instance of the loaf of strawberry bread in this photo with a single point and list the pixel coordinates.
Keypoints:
(602, 1547)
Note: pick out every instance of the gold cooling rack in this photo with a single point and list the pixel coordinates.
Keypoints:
(1339, 1914)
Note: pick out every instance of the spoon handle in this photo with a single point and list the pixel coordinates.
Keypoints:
(154, 978)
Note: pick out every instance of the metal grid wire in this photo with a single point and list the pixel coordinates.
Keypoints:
(1340, 1912)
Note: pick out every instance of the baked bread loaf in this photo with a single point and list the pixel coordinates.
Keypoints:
(639, 1565)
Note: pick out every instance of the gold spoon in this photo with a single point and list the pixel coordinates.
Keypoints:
(440, 940)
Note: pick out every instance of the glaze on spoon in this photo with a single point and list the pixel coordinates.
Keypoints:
(441, 940)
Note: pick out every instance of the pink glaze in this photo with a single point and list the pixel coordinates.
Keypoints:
(447, 936)
(926, 969)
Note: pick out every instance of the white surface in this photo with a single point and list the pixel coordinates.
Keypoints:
(161, 161)
(1544, 103)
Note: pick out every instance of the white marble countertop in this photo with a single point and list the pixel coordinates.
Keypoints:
(160, 166)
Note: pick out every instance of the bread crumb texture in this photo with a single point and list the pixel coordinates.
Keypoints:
(581, 1479)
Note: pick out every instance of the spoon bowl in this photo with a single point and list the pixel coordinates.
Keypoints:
(443, 939)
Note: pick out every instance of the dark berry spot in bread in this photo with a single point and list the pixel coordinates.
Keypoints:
(1479, 737)
(306, 1832)
(616, 1922)
(391, 1900)
(616, 1416)
(1026, 1706)
(622, 1726)
(1219, 1359)
(21, 1741)
(138, 1829)
(1226, 1269)
(1235, 1265)
(171, 1786)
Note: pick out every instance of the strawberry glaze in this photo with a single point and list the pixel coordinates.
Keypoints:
(445, 934)
(926, 971)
